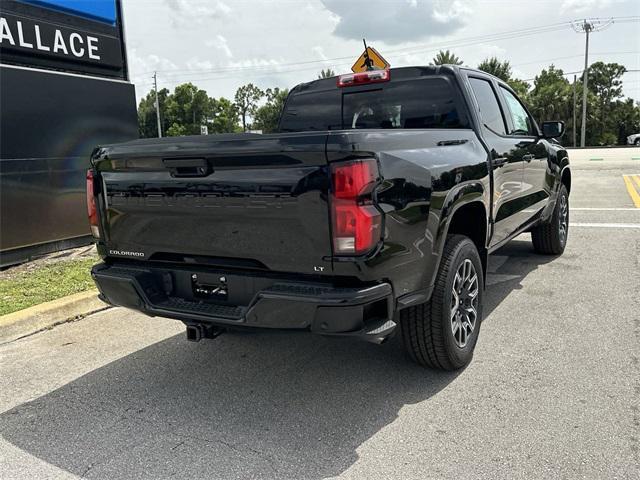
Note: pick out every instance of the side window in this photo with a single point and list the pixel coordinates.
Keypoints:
(519, 117)
(489, 106)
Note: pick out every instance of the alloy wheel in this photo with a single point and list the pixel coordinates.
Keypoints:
(464, 303)
(563, 218)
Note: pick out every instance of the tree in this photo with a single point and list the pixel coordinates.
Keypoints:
(552, 95)
(246, 100)
(605, 81)
(176, 130)
(328, 73)
(224, 116)
(495, 67)
(610, 116)
(147, 121)
(445, 57)
(520, 87)
(187, 109)
(552, 98)
(626, 116)
(268, 115)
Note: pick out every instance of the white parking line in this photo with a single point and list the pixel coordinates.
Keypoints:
(595, 209)
(606, 225)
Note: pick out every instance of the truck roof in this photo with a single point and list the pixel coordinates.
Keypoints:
(398, 73)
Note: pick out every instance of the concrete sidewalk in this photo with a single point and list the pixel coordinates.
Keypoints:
(46, 315)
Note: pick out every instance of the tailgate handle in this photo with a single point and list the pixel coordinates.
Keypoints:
(187, 167)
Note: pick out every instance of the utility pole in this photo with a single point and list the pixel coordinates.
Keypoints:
(155, 87)
(587, 27)
(575, 132)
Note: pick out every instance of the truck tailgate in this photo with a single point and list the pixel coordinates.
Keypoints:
(249, 201)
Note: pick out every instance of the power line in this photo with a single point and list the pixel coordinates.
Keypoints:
(534, 62)
(273, 69)
(507, 35)
(405, 50)
(206, 79)
(564, 74)
(277, 69)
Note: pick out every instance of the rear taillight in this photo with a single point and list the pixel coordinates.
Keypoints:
(362, 78)
(356, 221)
(92, 208)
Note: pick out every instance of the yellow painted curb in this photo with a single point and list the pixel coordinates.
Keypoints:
(30, 320)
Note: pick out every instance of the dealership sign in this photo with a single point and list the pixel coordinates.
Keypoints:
(63, 35)
(99, 10)
(24, 34)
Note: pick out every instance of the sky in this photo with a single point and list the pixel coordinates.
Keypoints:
(220, 45)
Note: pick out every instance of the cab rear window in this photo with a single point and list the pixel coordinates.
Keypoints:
(420, 103)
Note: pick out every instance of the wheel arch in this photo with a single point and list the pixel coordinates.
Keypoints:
(465, 212)
(565, 178)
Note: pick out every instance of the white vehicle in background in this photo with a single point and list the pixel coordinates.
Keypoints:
(634, 139)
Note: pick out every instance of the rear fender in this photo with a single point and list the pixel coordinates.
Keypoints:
(559, 168)
(456, 198)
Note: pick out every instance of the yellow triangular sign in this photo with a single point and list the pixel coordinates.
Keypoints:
(377, 62)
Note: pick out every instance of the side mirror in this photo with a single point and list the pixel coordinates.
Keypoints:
(552, 129)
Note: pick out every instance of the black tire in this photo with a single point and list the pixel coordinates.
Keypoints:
(637, 142)
(548, 238)
(427, 329)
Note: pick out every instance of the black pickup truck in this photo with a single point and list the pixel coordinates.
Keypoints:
(373, 209)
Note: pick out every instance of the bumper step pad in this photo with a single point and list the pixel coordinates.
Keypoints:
(364, 312)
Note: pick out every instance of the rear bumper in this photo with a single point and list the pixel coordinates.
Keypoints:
(365, 312)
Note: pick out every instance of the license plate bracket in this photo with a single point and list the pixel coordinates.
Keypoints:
(216, 290)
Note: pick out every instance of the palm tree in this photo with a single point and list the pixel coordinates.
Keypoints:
(328, 73)
(495, 67)
(445, 57)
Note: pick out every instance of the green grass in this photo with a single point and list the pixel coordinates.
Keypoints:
(45, 283)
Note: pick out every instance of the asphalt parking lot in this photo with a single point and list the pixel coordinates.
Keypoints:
(553, 390)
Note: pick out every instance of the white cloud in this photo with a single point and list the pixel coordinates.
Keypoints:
(452, 10)
(185, 12)
(195, 64)
(395, 22)
(179, 38)
(581, 6)
(318, 51)
(145, 64)
(491, 50)
(220, 43)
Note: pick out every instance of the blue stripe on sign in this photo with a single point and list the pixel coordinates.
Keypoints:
(101, 10)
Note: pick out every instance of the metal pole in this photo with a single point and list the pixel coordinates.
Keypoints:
(193, 107)
(587, 28)
(367, 60)
(155, 87)
(575, 127)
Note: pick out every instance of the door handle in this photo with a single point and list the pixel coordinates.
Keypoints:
(528, 157)
(498, 162)
(187, 167)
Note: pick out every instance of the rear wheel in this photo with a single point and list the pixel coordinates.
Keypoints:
(551, 238)
(442, 333)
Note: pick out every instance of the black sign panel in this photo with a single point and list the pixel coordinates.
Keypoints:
(49, 124)
(34, 36)
(21, 35)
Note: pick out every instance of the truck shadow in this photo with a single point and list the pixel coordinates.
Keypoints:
(507, 268)
(260, 405)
